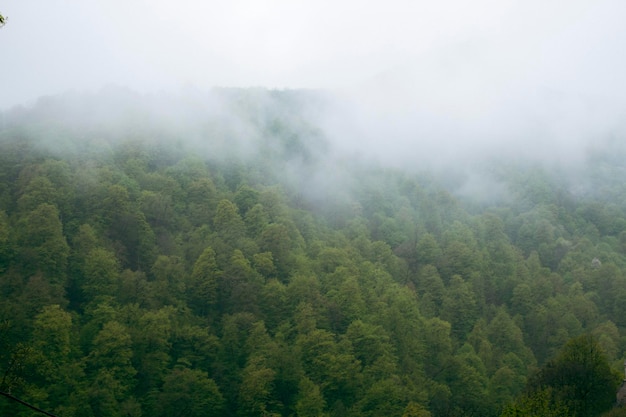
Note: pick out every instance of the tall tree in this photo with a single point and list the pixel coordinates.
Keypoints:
(580, 377)
(41, 244)
(310, 402)
(203, 283)
(189, 393)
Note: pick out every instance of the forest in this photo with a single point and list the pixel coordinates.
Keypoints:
(210, 254)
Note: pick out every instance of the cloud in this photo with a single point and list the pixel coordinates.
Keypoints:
(420, 81)
(57, 44)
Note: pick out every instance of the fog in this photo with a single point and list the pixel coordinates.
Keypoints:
(416, 84)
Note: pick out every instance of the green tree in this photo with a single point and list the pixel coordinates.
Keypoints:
(580, 377)
(256, 220)
(240, 285)
(264, 264)
(158, 209)
(111, 370)
(459, 307)
(438, 346)
(468, 381)
(384, 397)
(330, 365)
(112, 350)
(432, 290)
(203, 283)
(275, 239)
(255, 391)
(414, 409)
(60, 375)
(507, 338)
(131, 234)
(84, 241)
(228, 223)
(346, 302)
(151, 334)
(372, 347)
(273, 303)
(38, 191)
(101, 274)
(201, 201)
(428, 250)
(540, 403)
(5, 245)
(245, 198)
(41, 244)
(310, 402)
(458, 259)
(169, 279)
(504, 385)
(189, 393)
(52, 336)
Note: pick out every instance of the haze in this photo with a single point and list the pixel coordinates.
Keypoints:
(455, 76)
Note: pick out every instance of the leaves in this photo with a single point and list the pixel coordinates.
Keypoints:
(189, 392)
(200, 285)
(580, 377)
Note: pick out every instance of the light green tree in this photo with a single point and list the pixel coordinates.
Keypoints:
(228, 223)
(310, 402)
(537, 404)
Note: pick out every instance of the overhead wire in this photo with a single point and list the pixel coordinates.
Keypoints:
(32, 407)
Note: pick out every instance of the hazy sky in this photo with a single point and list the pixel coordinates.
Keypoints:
(449, 51)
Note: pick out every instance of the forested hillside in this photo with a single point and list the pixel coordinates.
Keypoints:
(211, 254)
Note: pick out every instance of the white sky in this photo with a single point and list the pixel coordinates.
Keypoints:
(50, 46)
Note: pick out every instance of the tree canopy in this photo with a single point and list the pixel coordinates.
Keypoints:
(193, 265)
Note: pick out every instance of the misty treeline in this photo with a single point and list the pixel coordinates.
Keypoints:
(210, 254)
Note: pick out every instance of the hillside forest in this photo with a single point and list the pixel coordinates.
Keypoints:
(210, 254)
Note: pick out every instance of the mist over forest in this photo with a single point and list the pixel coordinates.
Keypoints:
(224, 249)
(419, 211)
(334, 132)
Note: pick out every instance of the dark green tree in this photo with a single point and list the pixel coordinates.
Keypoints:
(101, 271)
(189, 393)
(459, 307)
(203, 283)
(41, 244)
(5, 244)
(580, 377)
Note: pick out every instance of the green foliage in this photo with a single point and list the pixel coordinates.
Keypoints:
(310, 401)
(101, 274)
(189, 392)
(201, 282)
(228, 223)
(202, 287)
(43, 247)
(459, 307)
(580, 377)
(5, 245)
(539, 404)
